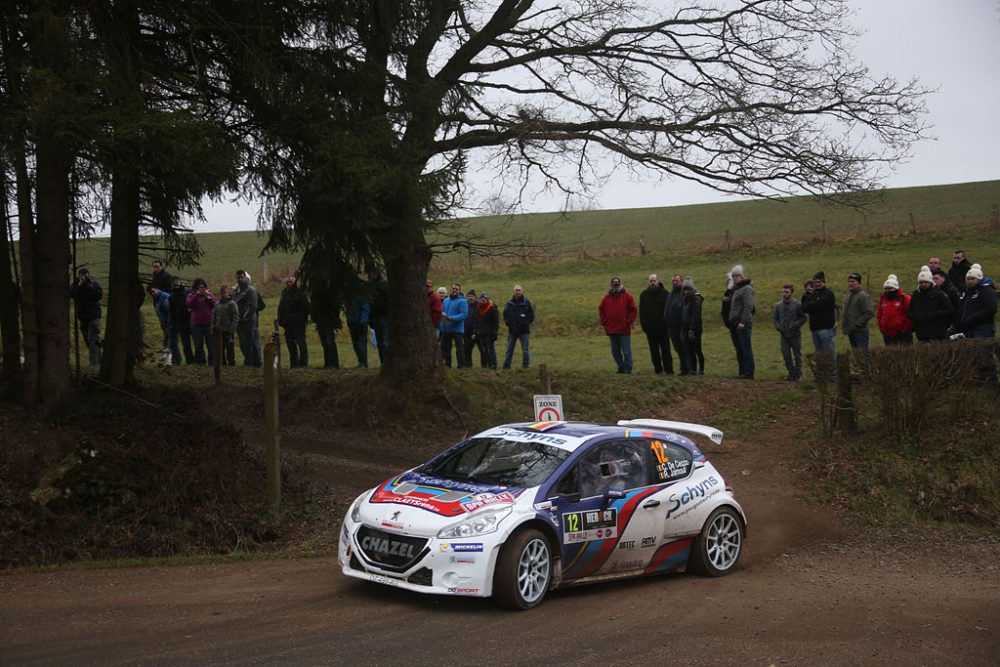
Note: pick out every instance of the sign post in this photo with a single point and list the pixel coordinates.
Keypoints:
(549, 408)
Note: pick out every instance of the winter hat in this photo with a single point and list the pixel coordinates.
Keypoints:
(484, 295)
(892, 282)
(737, 271)
(688, 283)
(616, 281)
(855, 276)
(471, 292)
(925, 275)
(819, 275)
(975, 272)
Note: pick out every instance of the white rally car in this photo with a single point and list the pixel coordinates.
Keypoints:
(520, 509)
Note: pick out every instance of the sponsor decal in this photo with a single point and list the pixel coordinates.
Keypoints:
(590, 525)
(387, 547)
(466, 560)
(626, 545)
(345, 537)
(531, 437)
(461, 547)
(486, 499)
(392, 522)
(541, 507)
(696, 492)
(388, 581)
(626, 566)
(649, 541)
(463, 591)
(673, 469)
(440, 482)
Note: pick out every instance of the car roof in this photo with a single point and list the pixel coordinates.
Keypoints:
(571, 435)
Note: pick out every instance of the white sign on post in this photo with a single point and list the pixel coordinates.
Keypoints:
(548, 407)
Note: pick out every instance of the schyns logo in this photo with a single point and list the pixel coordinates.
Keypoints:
(700, 490)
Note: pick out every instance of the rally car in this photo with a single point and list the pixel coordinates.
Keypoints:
(521, 509)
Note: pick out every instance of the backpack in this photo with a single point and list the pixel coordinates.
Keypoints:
(260, 302)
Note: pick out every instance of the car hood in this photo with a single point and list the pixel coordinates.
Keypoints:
(414, 502)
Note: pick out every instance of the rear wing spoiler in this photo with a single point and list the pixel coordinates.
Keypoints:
(713, 434)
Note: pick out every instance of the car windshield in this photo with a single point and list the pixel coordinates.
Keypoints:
(498, 461)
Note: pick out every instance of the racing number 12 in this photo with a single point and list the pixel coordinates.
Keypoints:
(573, 522)
(660, 450)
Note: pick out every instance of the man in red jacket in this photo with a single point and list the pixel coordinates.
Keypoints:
(617, 313)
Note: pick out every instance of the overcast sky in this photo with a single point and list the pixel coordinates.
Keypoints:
(950, 45)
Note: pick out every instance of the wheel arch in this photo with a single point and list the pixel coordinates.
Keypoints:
(548, 531)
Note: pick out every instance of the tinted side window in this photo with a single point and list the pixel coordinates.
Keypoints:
(620, 464)
(670, 461)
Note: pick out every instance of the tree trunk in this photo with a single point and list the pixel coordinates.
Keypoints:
(10, 377)
(120, 339)
(413, 353)
(51, 271)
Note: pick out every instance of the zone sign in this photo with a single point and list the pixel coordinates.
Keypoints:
(548, 407)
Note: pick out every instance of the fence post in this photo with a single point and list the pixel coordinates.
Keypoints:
(272, 447)
(845, 415)
(545, 378)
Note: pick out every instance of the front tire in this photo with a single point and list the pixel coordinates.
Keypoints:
(524, 570)
(720, 544)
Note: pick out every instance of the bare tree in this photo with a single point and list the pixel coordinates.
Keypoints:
(753, 97)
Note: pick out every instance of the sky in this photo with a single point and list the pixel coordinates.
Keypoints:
(952, 46)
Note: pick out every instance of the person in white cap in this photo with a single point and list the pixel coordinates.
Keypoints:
(896, 327)
(930, 310)
(976, 317)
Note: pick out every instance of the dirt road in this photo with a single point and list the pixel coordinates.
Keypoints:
(811, 591)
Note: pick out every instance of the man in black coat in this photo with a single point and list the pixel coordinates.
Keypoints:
(87, 293)
(930, 309)
(673, 317)
(180, 324)
(652, 303)
(293, 315)
(960, 266)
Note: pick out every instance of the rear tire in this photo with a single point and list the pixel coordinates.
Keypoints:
(718, 548)
(523, 571)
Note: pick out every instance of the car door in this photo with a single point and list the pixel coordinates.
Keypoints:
(608, 516)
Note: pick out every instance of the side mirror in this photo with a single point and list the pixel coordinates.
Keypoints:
(612, 494)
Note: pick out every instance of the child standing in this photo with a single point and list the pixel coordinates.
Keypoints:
(225, 317)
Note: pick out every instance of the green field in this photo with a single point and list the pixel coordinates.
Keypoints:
(776, 243)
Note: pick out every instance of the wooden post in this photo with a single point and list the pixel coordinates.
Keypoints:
(219, 353)
(846, 416)
(545, 379)
(272, 448)
(824, 232)
(727, 239)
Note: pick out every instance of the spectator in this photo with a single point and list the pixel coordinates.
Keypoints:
(518, 315)
(820, 305)
(741, 314)
(896, 327)
(433, 305)
(378, 288)
(788, 320)
(454, 310)
(858, 311)
(293, 316)
(617, 312)
(960, 266)
(161, 305)
(162, 281)
(940, 279)
(652, 304)
(248, 301)
(727, 302)
(87, 293)
(673, 318)
(226, 319)
(471, 326)
(180, 324)
(977, 318)
(934, 263)
(489, 327)
(977, 315)
(326, 305)
(357, 324)
(201, 303)
(691, 327)
(930, 310)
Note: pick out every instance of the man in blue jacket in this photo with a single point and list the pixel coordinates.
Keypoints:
(454, 311)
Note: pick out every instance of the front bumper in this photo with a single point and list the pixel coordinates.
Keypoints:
(442, 567)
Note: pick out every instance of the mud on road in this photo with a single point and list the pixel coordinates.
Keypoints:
(813, 589)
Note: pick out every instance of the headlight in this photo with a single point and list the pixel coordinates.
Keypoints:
(481, 523)
(356, 508)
